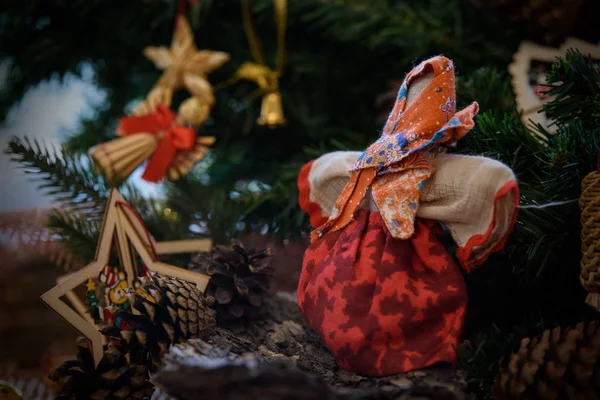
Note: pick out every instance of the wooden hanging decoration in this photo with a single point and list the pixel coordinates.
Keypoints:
(528, 72)
(123, 225)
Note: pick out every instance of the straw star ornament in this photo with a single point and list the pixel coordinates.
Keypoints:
(183, 65)
(167, 139)
(122, 228)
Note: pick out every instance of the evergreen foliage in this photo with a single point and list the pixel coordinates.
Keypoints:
(341, 55)
(82, 194)
(533, 284)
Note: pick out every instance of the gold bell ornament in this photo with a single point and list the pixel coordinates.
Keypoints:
(267, 79)
(167, 140)
(589, 202)
(271, 110)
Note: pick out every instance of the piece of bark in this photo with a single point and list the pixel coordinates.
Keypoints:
(278, 356)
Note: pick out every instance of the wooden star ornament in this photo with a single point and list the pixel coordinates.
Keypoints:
(183, 65)
(123, 228)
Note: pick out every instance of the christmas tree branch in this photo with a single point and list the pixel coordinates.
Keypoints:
(575, 82)
(64, 175)
(80, 234)
(489, 87)
(68, 177)
(540, 265)
(413, 27)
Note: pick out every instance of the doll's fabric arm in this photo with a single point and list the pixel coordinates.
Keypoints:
(321, 181)
(476, 198)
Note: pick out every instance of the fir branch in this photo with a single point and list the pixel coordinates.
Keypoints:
(69, 178)
(507, 140)
(207, 210)
(414, 27)
(79, 233)
(539, 266)
(489, 87)
(575, 81)
(65, 176)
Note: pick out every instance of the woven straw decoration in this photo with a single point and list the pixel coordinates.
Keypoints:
(589, 202)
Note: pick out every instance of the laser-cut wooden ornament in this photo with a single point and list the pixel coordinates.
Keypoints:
(528, 72)
(123, 225)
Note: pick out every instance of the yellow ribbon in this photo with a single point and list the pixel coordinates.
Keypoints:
(258, 71)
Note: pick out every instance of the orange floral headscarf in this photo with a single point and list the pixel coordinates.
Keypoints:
(392, 167)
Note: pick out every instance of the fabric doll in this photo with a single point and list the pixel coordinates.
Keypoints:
(377, 284)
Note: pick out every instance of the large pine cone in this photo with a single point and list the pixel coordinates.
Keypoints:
(239, 279)
(179, 313)
(562, 364)
(114, 378)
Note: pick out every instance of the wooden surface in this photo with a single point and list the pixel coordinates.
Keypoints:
(279, 357)
(23, 317)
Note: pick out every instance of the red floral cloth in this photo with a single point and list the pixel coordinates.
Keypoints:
(383, 305)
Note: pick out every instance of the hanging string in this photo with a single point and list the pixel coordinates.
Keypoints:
(250, 30)
(550, 204)
(280, 11)
(181, 9)
(280, 7)
(141, 222)
(260, 72)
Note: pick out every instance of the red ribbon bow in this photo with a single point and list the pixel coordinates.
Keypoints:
(174, 138)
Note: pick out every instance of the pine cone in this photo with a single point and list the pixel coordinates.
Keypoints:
(180, 313)
(239, 279)
(114, 378)
(555, 365)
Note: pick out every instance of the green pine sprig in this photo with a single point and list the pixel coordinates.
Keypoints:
(78, 232)
(536, 277)
(61, 174)
(80, 193)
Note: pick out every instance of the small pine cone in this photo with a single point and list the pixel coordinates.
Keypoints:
(239, 279)
(179, 313)
(562, 364)
(113, 378)
(589, 202)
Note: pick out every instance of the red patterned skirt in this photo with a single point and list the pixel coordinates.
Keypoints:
(381, 305)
